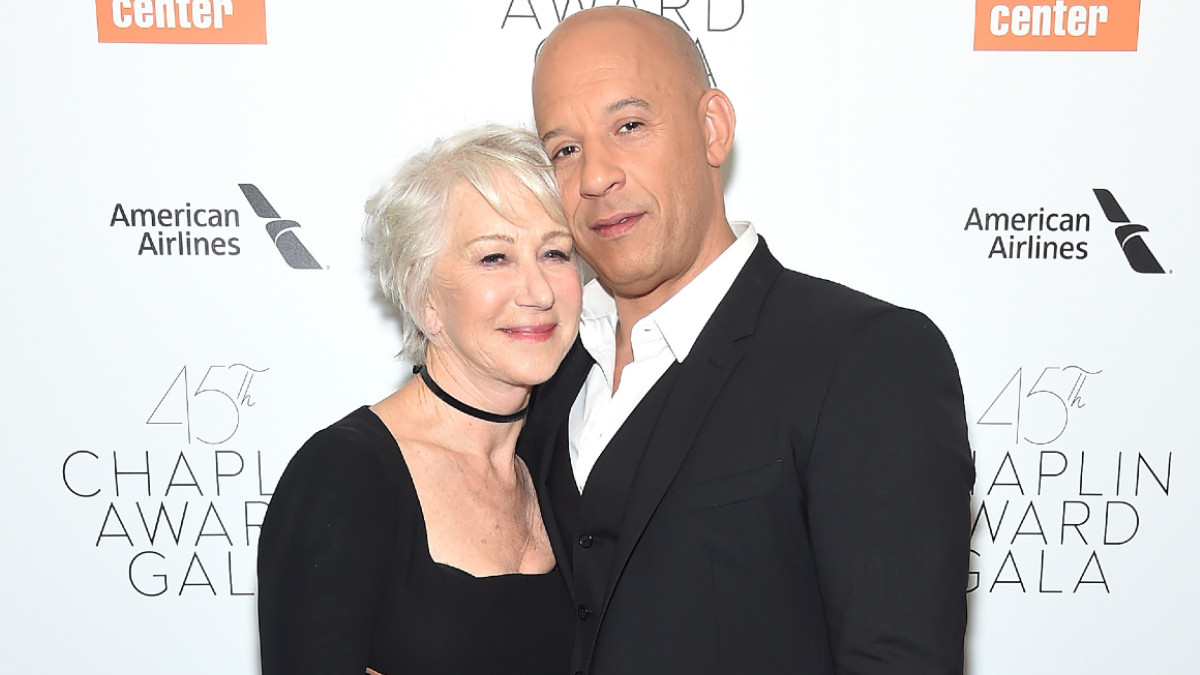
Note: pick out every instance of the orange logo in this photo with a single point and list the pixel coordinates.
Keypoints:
(182, 21)
(1057, 25)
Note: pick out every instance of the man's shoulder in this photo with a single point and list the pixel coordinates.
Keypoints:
(808, 294)
(804, 292)
(782, 303)
(801, 302)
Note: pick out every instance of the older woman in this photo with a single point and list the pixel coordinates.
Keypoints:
(406, 538)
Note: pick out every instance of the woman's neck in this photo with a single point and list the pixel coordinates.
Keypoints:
(417, 413)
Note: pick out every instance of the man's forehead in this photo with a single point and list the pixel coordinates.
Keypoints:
(580, 66)
(599, 81)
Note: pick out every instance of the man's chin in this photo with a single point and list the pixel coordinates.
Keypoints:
(628, 282)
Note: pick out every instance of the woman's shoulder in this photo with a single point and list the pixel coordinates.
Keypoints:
(358, 445)
(359, 435)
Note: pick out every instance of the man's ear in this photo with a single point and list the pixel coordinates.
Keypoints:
(719, 121)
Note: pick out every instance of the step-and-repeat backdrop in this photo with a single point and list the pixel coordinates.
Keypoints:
(185, 296)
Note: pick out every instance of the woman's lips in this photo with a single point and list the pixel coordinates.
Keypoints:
(536, 333)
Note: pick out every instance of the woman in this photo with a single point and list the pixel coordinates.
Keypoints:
(406, 538)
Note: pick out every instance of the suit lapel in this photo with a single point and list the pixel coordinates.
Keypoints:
(549, 412)
(545, 434)
(702, 376)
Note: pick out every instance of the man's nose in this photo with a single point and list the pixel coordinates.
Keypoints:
(601, 173)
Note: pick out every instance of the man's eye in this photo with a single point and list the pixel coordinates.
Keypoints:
(565, 151)
(630, 126)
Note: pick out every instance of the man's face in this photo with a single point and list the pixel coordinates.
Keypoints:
(626, 132)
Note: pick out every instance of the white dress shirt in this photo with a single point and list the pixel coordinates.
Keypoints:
(663, 337)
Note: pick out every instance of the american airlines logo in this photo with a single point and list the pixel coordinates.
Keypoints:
(282, 232)
(1129, 235)
(1053, 233)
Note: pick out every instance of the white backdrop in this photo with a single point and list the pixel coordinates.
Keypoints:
(151, 399)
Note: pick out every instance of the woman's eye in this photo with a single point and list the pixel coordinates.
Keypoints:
(492, 258)
(559, 255)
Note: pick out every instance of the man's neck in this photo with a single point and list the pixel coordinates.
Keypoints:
(632, 309)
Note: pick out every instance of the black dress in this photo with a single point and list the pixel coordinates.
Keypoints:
(345, 580)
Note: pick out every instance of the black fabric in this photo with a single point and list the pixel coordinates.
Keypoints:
(601, 512)
(801, 499)
(564, 494)
(346, 581)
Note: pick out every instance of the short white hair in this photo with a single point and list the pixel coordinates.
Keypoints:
(406, 219)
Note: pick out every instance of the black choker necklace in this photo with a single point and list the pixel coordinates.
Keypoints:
(463, 407)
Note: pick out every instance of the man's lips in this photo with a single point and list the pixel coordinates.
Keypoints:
(615, 225)
(534, 333)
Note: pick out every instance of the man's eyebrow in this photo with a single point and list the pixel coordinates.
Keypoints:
(631, 102)
(610, 109)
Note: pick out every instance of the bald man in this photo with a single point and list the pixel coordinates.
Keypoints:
(743, 469)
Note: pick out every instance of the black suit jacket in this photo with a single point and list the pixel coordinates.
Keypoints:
(801, 504)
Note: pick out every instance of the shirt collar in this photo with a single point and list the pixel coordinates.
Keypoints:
(681, 318)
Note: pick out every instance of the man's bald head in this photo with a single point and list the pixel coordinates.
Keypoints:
(644, 29)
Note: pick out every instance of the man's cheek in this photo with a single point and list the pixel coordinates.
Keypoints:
(576, 213)
(578, 229)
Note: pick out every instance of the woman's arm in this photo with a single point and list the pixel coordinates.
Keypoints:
(322, 558)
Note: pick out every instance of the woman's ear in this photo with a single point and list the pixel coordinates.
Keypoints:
(433, 319)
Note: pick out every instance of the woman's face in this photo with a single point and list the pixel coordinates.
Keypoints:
(505, 298)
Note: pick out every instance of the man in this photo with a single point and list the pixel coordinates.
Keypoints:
(743, 469)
